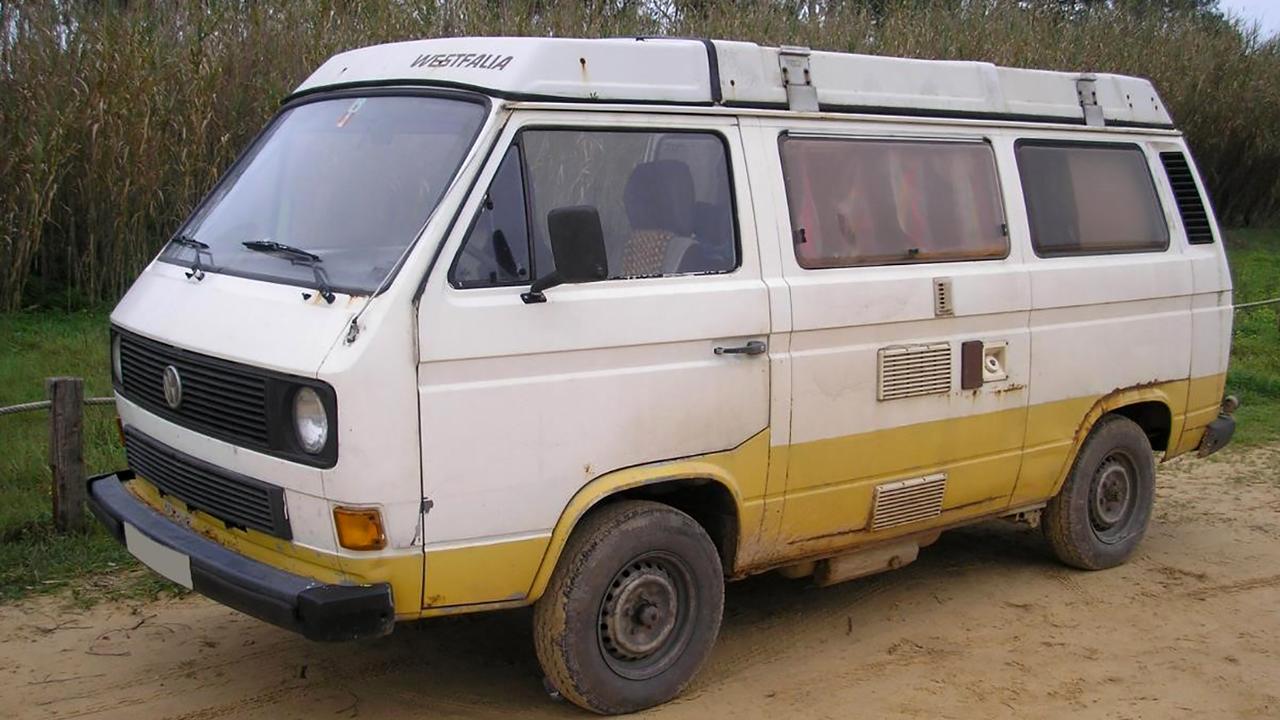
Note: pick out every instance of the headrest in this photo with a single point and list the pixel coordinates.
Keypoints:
(660, 196)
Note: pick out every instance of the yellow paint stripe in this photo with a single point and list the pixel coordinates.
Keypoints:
(975, 449)
(495, 572)
(402, 571)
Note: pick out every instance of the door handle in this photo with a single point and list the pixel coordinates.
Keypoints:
(755, 347)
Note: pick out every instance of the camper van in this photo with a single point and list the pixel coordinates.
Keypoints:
(595, 326)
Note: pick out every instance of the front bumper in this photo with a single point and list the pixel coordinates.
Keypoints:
(317, 610)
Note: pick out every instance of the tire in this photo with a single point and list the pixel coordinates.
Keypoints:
(1101, 514)
(632, 609)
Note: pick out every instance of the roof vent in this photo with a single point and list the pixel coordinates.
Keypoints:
(802, 96)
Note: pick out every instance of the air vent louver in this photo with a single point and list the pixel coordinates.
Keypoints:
(907, 501)
(912, 370)
(942, 298)
(1195, 220)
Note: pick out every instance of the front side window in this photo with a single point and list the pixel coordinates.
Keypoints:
(1090, 199)
(663, 197)
(496, 251)
(345, 183)
(856, 202)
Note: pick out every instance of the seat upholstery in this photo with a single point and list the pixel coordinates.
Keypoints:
(659, 200)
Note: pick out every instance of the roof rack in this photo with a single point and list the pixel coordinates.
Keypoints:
(740, 74)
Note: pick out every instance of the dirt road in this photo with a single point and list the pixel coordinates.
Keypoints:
(985, 625)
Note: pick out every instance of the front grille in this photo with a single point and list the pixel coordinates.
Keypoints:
(219, 398)
(235, 499)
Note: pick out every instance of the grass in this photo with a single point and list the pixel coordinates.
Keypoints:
(33, 346)
(33, 557)
(1255, 353)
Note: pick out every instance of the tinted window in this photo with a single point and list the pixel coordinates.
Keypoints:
(496, 251)
(878, 202)
(663, 198)
(1087, 199)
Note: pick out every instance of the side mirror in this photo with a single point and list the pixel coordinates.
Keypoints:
(577, 244)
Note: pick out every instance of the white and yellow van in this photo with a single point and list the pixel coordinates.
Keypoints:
(596, 325)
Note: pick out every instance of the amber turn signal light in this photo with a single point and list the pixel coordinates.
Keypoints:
(359, 528)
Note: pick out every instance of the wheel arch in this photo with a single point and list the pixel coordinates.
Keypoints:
(710, 492)
(1157, 408)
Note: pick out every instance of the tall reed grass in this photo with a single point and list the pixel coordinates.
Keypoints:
(115, 117)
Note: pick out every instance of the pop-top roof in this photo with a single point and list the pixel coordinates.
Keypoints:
(698, 72)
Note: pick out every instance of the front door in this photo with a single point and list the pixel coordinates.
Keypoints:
(524, 404)
(909, 351)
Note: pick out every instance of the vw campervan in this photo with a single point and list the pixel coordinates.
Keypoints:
(596, 325)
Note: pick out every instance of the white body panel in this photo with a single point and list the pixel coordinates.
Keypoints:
(600, 377)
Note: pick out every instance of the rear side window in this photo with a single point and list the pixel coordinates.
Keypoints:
(860, 202)
(664, 197)
(1090, 199)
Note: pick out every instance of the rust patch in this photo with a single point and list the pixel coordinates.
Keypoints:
(971, 504)
(1012, 388)
(824, 536)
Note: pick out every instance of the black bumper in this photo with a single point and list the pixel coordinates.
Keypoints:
(316, 610)
(1217, 435)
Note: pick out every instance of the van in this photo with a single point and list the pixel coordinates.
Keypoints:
(594, 326)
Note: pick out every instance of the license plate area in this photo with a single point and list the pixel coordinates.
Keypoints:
(166, 561)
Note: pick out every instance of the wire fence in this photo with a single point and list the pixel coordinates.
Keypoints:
(66, 405)
(1259, 303)
(46, 404)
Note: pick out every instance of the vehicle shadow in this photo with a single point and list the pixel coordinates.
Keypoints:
(485, 664)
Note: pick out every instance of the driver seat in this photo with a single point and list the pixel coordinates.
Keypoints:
(660, 204)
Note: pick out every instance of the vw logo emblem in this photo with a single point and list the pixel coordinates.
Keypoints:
(172, 387)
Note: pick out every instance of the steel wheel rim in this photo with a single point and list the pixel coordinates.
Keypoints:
(645, 616)
(1113, 497)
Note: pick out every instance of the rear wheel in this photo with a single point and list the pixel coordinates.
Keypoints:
(632, 610)
(1101, 514)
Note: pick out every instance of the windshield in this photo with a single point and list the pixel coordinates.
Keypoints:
(350, 181)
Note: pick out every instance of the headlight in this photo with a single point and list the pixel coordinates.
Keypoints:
(117, 373)
(310, 420)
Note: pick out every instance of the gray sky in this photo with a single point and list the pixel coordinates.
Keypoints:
(1266, 12)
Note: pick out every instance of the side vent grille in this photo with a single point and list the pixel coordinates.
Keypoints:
(908, 501)
(914, 370)
(942, 298)
(1194, 218)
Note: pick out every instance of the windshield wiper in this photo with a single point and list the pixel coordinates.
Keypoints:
(296, 256)
(196, 270)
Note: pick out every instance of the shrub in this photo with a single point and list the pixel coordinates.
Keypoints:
(115, 117)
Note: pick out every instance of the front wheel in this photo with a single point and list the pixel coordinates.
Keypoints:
(1098, 518)
(632, 610)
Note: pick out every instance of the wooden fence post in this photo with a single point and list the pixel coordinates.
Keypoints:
(66, 451)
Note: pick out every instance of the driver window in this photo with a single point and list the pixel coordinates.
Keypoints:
(496, 250)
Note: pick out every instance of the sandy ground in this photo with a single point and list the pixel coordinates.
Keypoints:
(985, 625)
